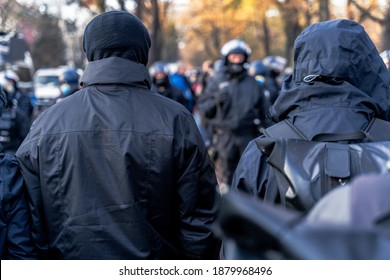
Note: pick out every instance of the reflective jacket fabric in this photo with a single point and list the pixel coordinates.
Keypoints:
(351, 87)
(116, 171)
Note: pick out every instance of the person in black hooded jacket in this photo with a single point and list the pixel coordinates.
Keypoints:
(339, 84)
(15, 220)
(116, 171)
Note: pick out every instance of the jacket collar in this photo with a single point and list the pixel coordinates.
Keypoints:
(115, 70)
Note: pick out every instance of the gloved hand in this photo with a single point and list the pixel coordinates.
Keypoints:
(222, 96)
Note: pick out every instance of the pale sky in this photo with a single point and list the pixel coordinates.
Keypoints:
(72, 12)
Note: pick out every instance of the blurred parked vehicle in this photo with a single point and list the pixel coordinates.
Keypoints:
(47, 85)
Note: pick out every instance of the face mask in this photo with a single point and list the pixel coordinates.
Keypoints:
(65, 89)
(235, 68)
(161, 82)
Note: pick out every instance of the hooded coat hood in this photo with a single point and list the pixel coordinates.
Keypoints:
(335, 65)
(117, 34)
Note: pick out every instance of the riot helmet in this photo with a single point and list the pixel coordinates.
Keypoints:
(159, 74)
(69, 81)
(10, 80)
(235, 55)
(258, 70)
(275, 64)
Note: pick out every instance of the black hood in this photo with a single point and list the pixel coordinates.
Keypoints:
(335, 60)
(119, 34)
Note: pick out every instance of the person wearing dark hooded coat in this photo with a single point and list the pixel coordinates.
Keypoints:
(116, 171)
(15, 221)
(339, 84)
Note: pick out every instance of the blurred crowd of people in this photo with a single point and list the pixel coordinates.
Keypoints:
(228, 99)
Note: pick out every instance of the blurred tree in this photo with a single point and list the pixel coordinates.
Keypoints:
(350, 10)
(198, 30)
(96, 6)
(170, 51)
(152, 12)
(323, 11)
(292, 13)
(207, 26)
(377, 12)
(163, 31)
(122, 5)
(140, 9)
(268, 26)
(14, 16)
(255, 13)
(309, 12)
(5, 9)
(156, 32)
(49, 47)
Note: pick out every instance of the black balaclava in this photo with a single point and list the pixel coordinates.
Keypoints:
(118, 34)
(236, 69)
(161, 82)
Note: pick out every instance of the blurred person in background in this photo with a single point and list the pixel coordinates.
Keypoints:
(179, 79)
(205, 76)
(204, 124)
(161, 84)
(233, 104)
(69, 83)
(260, 72)
(193, 77)
(11, 86)
(16, 119)
(275, 66)
(15, 221)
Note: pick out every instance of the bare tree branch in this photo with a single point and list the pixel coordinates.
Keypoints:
(122, 5)
(366, 12)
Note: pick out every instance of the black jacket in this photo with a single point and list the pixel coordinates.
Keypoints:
(116, 171)
(171, 92)
(15, 220)
(243, 104)
(337, 86)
